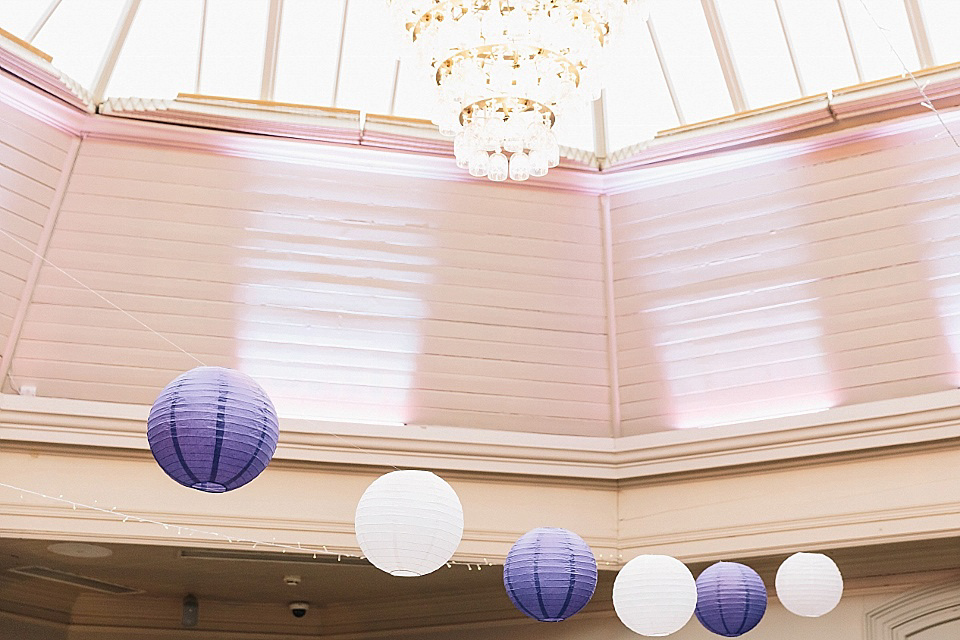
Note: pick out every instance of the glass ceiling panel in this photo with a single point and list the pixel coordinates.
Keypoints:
(233, 44)
(164, 39)
(19, 16)
(76, 36)
(577, 130)
(876, 58)
(760, 52)
(165, 48)
(413, 85)
(637, 98)
(691, 59)
(308, 50)
(942, 18)
(820, 44)
(369, 63)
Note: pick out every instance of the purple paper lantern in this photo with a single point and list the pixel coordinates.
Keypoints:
(731, 599)
(213, 429)
(550, 574)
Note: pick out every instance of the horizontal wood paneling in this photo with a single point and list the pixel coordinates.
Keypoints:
(31, 158)
(787, 286)
(349, 296)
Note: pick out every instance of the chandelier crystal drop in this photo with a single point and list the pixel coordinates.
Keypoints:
(507, 70)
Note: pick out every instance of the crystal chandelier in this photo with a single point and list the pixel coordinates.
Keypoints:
(506, 70)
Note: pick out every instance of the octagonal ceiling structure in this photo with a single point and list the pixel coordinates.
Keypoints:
(695, 60)
(370, 293)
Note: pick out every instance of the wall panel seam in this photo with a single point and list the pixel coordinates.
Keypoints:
(610, 313)
(39, 258)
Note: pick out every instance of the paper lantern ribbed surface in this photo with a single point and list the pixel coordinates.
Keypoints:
(409, 523)
(550, 574)
(654, 595)
(731, 599)
(809, 584)
(213, 429)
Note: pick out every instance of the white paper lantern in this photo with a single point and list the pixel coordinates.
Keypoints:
(809, 584)
(654, 595)
(409, 523)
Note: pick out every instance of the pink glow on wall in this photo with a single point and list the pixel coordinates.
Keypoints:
(941, 228)
(738, 331)
(330, 318)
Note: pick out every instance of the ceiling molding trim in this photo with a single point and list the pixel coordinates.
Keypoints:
(26, 98)
(228, 123)
(853, 430)
(772, 537)
(25, 63)
(890, 106)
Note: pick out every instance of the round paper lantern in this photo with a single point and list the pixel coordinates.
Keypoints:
(550, 574)
(409, 523)
(731, 599)
(213, 429)
(654, 595)
(809, 584)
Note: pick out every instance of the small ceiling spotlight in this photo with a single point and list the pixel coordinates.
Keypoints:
(299, 609)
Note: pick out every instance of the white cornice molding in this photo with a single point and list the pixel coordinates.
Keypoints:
(26, 64)
(861, 430)
(354, 141)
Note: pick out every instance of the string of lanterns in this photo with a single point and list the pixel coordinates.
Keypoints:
(214, 429)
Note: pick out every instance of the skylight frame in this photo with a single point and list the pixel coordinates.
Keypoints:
(714, 19)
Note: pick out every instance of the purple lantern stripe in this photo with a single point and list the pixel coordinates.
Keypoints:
(536, 579)
(512, 591)
(746, 607)
(221, 405)
(570, 583)
(253, 458)
(173, 432)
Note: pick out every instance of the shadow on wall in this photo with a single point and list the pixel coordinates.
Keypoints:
(877, 216)
(515, 339)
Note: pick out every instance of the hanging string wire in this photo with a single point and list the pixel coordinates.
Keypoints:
(297, 548)
(926, 102)
(148, 327)
(103, 297)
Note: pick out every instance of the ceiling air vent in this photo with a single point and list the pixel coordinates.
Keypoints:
(54, 575)
(256, 556)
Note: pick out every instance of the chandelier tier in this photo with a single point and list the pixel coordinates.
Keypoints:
(507, 70)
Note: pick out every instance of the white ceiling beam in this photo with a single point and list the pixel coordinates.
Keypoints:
(665, 71)
(600, 131)
(727, 64)
(610, 314)
(42, 20)
(790, 48)
(271, 46)
(39, 258)
(853, 47)
(112, 53)
(921, 37)
(203, 32)
(396, 84)
(343, 38)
